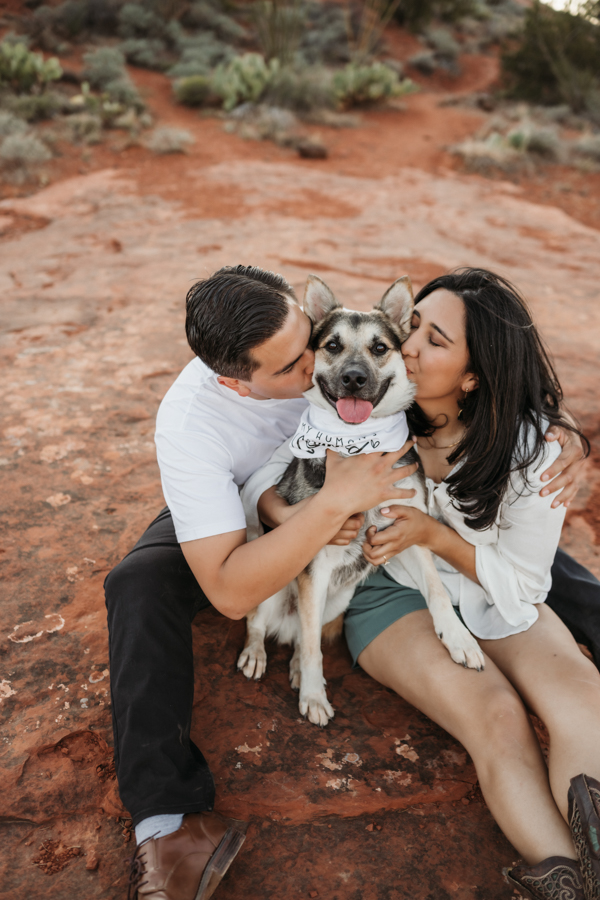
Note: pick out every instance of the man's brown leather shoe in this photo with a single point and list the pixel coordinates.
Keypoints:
(188, 864)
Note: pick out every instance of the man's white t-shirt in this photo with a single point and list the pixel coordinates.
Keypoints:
(209, 440)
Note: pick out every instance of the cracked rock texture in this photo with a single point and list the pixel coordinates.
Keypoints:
(380, 805)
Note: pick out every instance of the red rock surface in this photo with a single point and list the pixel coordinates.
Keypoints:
(93, 271)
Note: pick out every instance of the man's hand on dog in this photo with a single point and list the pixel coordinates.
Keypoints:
(567, 470)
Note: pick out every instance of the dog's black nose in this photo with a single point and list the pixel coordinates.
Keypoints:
(354, 379)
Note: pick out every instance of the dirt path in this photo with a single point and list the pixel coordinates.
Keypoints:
(93, 271)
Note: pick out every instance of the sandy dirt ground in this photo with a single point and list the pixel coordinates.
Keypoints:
(94, 268)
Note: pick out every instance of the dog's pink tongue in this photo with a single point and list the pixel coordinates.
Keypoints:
(353, 410)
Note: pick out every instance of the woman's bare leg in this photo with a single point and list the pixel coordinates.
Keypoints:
(562, 687)
(483, 711)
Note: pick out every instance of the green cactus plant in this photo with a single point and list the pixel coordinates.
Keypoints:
(357, 85)
(23, 71)
(243, 80)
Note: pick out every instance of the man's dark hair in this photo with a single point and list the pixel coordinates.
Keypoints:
(236, 309)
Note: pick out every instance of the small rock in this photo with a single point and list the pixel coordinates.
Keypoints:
(464, 801)
(369, 827)
(92, 863)
(313, 893)
(312, 148)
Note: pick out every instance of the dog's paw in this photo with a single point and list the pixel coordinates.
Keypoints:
(462, 646)
(317, 709)
(253, 662)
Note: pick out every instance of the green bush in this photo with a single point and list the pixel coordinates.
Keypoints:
(196, 90)
(357, 85)
(36, 107)
(243, 80)
(104, 69)
(443, 43)
(416, 14)
(203, 14)
(23, 71)
(85, 128)
(325, 38)
(300, 89)
(136, 21)
(147, 53)
(23, 150)
(103, 66)
(557, 59)
(199, 54)
(11, 124)
(72, 19)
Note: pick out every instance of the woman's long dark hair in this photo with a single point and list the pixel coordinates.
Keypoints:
(518, 389)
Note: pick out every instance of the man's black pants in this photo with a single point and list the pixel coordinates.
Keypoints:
(152, 598)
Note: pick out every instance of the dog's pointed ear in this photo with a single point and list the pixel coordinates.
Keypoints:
(398, 303)
(318, 299)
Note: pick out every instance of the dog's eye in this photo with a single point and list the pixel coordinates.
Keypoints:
(332, 346)
(380, 349)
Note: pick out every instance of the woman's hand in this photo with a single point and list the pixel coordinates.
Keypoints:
(411, 527)
(567, 470)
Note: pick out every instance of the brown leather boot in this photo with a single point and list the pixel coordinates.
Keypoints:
(584, 819)
(555, 878)
(189, 863)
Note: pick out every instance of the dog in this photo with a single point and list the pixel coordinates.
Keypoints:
(359, 382)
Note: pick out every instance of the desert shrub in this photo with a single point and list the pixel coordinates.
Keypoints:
(11, 124)
(357, 85)
(85, 128)
(199, 54)
(441, 40)
(243, 80)
(424, 62)
(589, 146)
(36, 107)
(263, 122)
(417, 14)
(531, 138)
(104, 69)
(325, 38)
(280, 24)
(169, 140)
(102, 66)
(196, 90)
(122, 90)
(72, 19)
(148, 53)
(300, 89)
(484, 156)
(203, 14)
(23, 150)
(23, 71)
(136, 21)
(557, 59)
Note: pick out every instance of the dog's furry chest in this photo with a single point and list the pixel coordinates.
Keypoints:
(305, 477)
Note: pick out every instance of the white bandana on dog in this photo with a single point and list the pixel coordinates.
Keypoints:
(317, 432)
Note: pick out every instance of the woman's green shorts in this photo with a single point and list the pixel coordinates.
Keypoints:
(376, 604)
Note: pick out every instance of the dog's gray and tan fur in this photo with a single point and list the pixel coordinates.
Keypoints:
(356, 355)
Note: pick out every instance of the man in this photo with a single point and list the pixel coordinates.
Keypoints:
(230, 408)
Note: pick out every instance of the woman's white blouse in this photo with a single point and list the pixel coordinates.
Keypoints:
(513, 557)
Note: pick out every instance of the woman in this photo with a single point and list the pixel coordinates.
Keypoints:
(486, 392)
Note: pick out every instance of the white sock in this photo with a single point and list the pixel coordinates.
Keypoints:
(158, 826)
